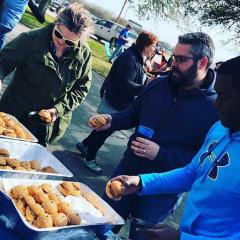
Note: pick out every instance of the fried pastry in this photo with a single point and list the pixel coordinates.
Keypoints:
(30, 215)
(7, 167)
(35, 164)
(37, 208)
(29, 200)
(2, 123)
(1, 130)
(3, 114)
(33, 189)
(13, 162)
(114, 190)
(41, 197)
(60, 219)
(47, 188)
(21, 206)
(64, 207)
(98, 121)
(48, 169)
(9, 123)
(44, 221)
(45, 116)
(4, 153)
(9, 132)
(26, 164)
(62, 190)
(20, 134)
(50, 207)
(20, 168)
(74, 218)
(3, 160)
(19, 191)
(54, 197)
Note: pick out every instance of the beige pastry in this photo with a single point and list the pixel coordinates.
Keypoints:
(64, 207)
(37, 208)
(13, 162)
(114, 190)
(50, 207)
(26, 164)
(19, 191)
(4, 152)
(41, 197)
(44, 221)
(30, 215)
(35, 164)
(3, 160)
(74, 218)
(60, 219)
(47, 188)
(54, 197)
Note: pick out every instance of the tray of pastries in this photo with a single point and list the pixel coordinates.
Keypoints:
(45, 205)
(19, 159)
(11, 128)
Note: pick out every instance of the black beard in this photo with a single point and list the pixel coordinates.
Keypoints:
(184, 79)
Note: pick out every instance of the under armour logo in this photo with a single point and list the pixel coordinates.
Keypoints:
(216, 164)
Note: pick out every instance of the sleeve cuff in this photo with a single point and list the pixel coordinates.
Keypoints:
(161, 154)
(60, 109)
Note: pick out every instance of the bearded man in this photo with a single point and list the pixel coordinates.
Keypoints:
(172, 117)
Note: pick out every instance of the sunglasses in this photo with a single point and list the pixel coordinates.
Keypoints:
(181, 59)
(68, 42)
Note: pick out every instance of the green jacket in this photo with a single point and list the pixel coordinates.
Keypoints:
(39, 82)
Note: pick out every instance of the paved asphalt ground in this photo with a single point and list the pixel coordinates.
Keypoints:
(108, 156)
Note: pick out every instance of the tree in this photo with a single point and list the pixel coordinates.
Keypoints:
(225, 13)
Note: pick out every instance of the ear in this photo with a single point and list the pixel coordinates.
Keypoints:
(203, 63)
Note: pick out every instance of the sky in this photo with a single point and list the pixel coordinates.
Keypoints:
(167, 31)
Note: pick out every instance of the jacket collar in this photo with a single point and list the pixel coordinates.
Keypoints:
(136, 52)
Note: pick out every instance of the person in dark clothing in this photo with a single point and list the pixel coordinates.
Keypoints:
(123, 83)
(172, 117)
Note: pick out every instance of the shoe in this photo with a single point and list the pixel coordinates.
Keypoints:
(92, 165)
(83, 149)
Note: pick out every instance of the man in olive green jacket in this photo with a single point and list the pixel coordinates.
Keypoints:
(41, 82)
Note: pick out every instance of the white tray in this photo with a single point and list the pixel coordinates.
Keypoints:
(89, 214)
(27, 151)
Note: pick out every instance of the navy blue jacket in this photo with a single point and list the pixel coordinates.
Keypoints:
(125, 79)
(180, 118)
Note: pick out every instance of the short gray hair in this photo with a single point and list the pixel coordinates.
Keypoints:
(76, 19)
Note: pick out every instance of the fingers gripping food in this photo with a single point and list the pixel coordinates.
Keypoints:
(114, 190)
(98, 121)
(45, 116)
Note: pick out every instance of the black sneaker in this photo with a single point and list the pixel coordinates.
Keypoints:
(92, 165)
(82, 149)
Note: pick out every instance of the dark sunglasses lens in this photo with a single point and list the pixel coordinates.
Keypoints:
(69, 43)
(58, 34)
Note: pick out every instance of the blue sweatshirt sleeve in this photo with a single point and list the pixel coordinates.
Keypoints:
(186, 236)
(176, 181)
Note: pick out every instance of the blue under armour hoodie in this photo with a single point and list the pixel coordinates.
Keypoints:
(212, 210)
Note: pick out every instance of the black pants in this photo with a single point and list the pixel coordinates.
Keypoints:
(94, 142)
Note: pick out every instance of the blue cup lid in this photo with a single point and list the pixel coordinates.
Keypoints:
(145, 131)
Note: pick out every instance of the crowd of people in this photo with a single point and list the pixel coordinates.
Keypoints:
(185, 120)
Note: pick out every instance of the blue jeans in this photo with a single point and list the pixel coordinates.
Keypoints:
(151, 208)
(3, 32)
(118, 50)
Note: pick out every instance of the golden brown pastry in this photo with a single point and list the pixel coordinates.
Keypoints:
(37, 208)
(45, 116)
(21, 206)
(7, 167)
(62, 190)
(3, 160)
(77, 189)
(41, 197)
(13, 162)
(20, 134)
(30, 215)
(2, 130)
(9, 123)
(29, 200)
(2, 123)
(50, 207)
(64, 207)
(33, 189)
(19, 191)
(60, 219)
(74, 218)
(9, 132)
(20, 168)
(114, 190)
(47, 188)
(54, 197)
(26, 164)
(3, 114)
(35, 164)
(48, 169)
(44, 221)
(98, 121)
(4, 152)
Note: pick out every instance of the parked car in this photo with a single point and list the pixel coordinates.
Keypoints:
(109, 31)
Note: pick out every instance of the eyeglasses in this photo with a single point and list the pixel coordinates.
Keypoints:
(181, 59)
(69, 43)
